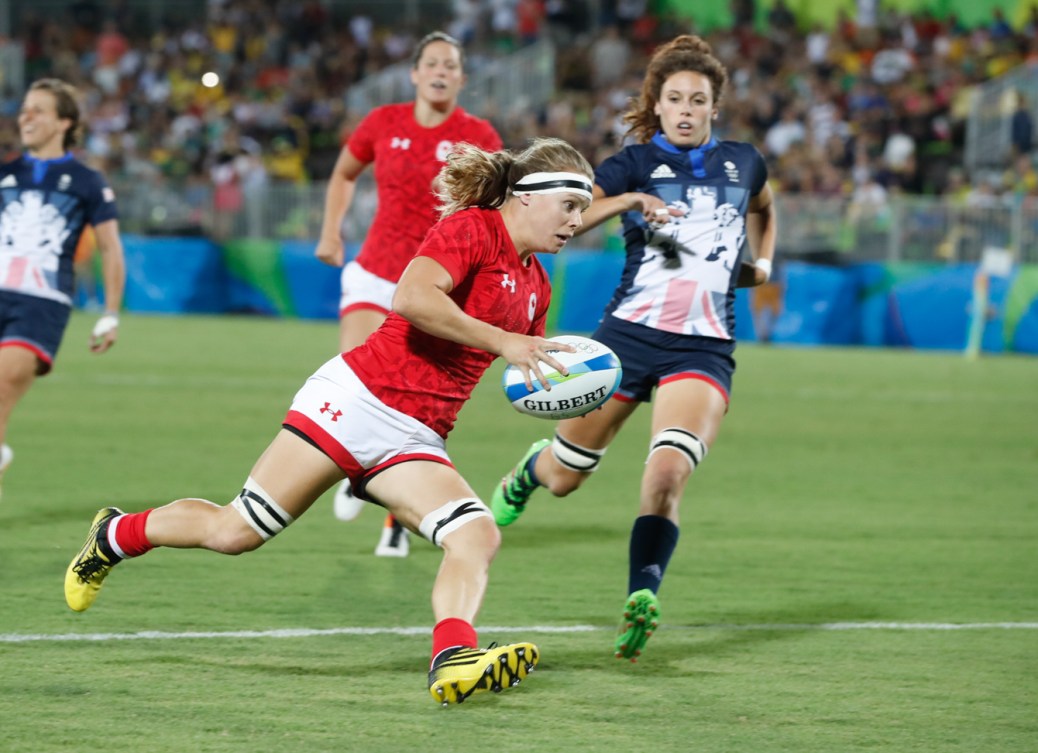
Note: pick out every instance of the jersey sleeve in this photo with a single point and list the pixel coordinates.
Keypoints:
(450, 242)
(760, 172)
(362, 141)
(614, 175)
(100, 202)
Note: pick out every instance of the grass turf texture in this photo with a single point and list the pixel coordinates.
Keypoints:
(847, 486)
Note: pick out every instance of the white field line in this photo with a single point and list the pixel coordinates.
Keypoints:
(161, 635)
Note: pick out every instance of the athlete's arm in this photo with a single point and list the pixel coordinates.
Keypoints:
(113, 273)
(761, 234)
(338, 197)
(603, 207)
(422, 298)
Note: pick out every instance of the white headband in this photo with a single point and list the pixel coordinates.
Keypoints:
(554, 183)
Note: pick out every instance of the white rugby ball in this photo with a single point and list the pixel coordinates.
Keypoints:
(594, 375)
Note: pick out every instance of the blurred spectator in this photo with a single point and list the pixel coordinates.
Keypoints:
(466, 23)
(235, 167)
(1021, 179)
(983, 194)
(892, 82)
(627, 13)
(610, 55)
(1021, 129)
(526, 17)
(782, 21)
(817, 45)
(786, 132)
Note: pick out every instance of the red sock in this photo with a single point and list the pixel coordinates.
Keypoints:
(126, 534)
(452, 633)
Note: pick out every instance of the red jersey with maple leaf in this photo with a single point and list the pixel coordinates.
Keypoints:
(430, 378)
(407, 157)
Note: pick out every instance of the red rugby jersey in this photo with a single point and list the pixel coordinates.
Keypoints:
(430, 378)
(407, 157)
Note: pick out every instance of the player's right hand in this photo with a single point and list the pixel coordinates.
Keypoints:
(330, 251)
(527, 353)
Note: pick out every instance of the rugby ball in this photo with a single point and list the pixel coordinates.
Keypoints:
(594, 375)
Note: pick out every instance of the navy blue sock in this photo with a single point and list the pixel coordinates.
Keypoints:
(653, 539)
(529, 469)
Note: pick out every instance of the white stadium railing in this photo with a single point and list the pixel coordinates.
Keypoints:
(988, 144)
(827, 229)
(496, 86)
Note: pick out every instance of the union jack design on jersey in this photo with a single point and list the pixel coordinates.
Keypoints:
(680, 277)
(44, 207)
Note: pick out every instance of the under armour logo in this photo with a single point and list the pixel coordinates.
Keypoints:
(328, 409)
(654, 570)
(399, 143)
(506, 283)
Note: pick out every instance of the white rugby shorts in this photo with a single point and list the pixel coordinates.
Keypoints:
(363, 290)
(354, 428)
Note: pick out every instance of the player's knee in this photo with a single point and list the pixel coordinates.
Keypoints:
(234, 538)
(465, 519)
(565, 482)
(263, 517)
(665, 479)
(576, 464)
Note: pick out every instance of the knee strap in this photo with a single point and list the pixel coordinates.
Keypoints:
(685, 442)
(261, 512)
(575, 457)
(452, 516)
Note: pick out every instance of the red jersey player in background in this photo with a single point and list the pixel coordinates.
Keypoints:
(380, 413)
(408, 144)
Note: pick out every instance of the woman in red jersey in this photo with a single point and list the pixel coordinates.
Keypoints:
(380, 413)
(408, 144)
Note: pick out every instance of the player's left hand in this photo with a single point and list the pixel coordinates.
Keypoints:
(105, 333)
(655, 212)
(752, 275)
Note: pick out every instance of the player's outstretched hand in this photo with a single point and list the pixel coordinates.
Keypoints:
(528, 353)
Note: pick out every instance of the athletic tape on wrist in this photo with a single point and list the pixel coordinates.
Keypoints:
(105, 324)
(764, 265)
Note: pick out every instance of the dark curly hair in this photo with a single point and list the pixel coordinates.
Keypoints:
(684, 53)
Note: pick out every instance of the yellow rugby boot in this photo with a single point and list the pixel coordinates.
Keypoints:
(90, 567)
(464, 671)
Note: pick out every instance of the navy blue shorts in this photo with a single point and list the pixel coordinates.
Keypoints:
(38, 324)
(650, 358)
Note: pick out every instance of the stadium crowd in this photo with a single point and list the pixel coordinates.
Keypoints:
(854, 111)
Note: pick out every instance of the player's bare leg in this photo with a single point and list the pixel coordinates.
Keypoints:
(434, 500)
(18, 369)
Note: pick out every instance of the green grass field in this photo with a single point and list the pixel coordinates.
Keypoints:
(858, 568)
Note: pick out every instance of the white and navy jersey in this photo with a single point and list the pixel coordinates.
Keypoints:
(680, 277)
(44, 207)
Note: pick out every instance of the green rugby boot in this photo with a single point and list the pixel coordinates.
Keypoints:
(641, 618)
(510, 496)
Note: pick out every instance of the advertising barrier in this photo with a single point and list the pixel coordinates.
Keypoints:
(892, 304)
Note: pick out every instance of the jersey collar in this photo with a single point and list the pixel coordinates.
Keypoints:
(39, 166)
(695, 154)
